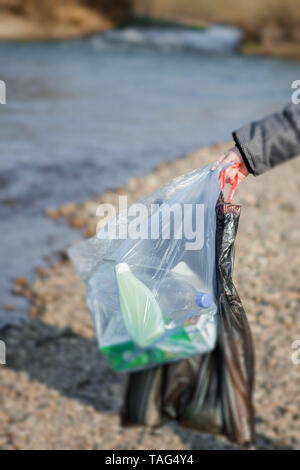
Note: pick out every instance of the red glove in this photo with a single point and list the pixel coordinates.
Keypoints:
(235, 173)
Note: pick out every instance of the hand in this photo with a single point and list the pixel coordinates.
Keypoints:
(232, 156)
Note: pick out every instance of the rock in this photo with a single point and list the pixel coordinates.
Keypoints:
(132, 184)
(17, 290)
(21, 282)
(89, 233)
(78, 222)
(67, 210)
(41, 271)
(9, 307)
(52, 213)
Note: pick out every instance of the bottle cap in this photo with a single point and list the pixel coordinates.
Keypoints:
(202, 299)
(122, 268)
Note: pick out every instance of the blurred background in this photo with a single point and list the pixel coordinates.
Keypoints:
(99, 93)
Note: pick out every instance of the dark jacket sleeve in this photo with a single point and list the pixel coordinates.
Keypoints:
(273, 140)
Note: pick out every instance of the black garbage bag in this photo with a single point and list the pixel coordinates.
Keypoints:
(212, 392)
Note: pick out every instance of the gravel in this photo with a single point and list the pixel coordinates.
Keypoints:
(58, 392)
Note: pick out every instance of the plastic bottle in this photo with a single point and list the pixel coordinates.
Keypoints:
(140, 310)
(179, 301)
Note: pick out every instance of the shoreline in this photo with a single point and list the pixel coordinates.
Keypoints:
(79, 22)
(281, 50)
(83, 216)
(54, 399)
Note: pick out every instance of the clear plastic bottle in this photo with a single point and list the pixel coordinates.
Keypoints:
(179, 301)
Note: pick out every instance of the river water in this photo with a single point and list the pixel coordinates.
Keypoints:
(83, 116)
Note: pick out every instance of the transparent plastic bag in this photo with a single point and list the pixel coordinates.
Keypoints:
(150, 278)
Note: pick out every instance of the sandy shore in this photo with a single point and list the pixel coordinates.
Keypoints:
(57, 391)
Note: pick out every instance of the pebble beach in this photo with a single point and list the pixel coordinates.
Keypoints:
(58, 392)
